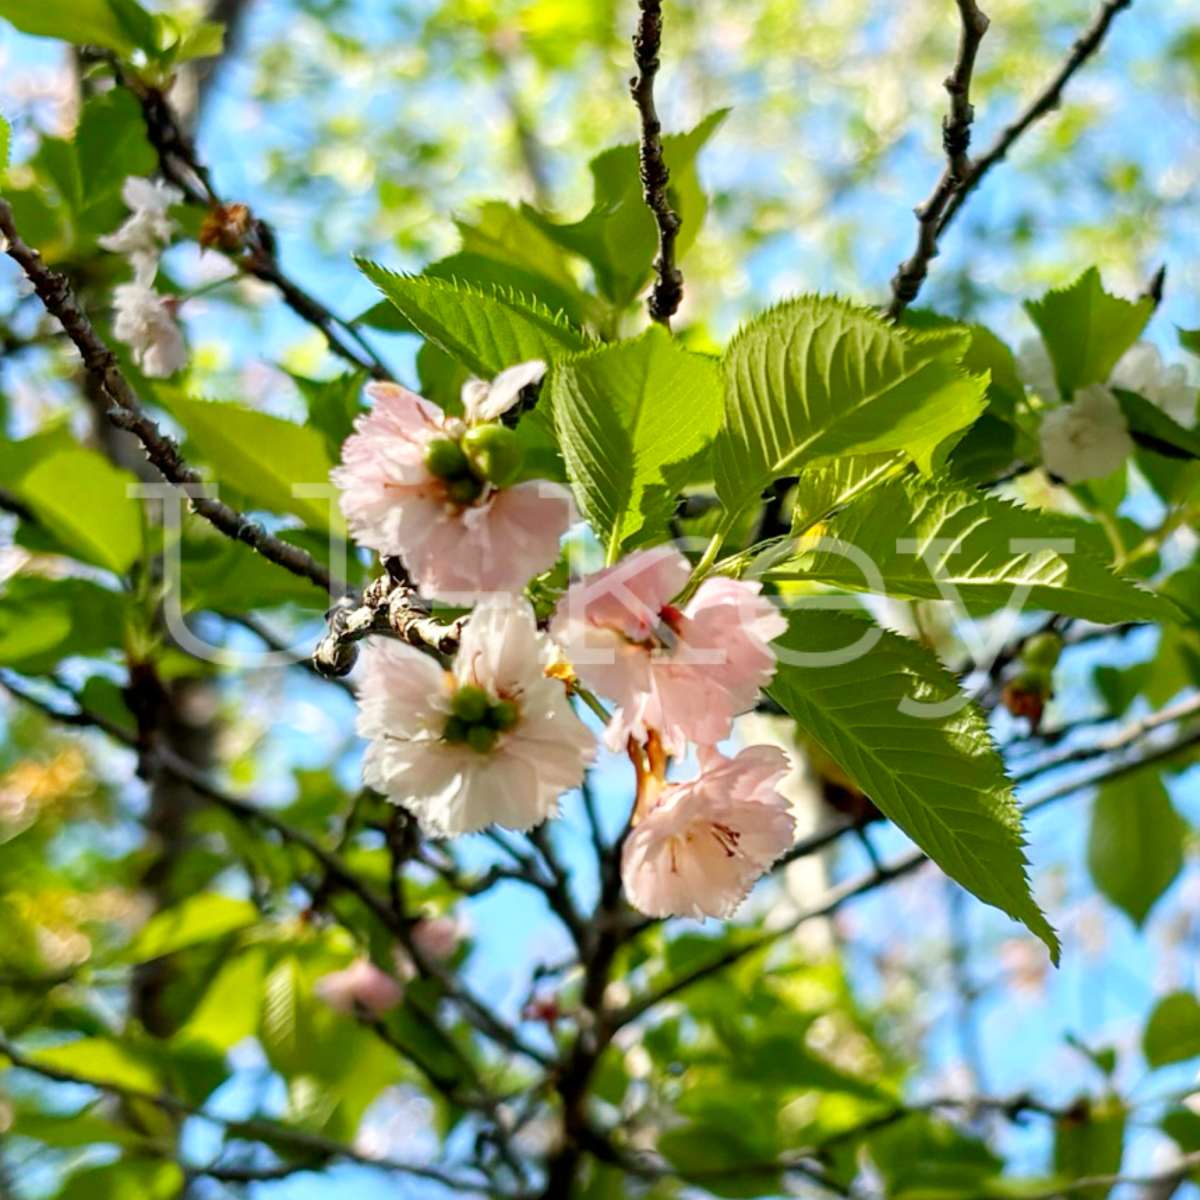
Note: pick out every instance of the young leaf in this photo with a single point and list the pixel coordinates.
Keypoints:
(82, 22)
(81, 498)
(1086, 330)
(934, 544)
(1153, 429)
(111, 142)
(628, 418)
(1173, 1032)
(1135, 847)
(262, 457)
(816, 377)
(889, 718)
(197, 919)
(486, 332)
(618, 236)
(43, 621)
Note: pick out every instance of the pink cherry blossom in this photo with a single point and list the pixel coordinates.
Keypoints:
(437, 937)
(454, 550)
(360, 986)
(703, 844)
(685, 673)
(418, 756)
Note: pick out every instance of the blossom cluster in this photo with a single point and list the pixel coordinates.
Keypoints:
(494, 738)
(145, 319)
(1089, 437)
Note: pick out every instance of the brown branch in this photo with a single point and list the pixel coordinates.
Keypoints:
(390, 606)
(956, 139)
(668, 288)
(908, 279)
(255, 250)
(104, 372)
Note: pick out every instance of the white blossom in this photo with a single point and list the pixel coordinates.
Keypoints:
(484, 401)
(492, 741)
(1086, 439)
(1142, 370)
(147, 230)
(145, 322)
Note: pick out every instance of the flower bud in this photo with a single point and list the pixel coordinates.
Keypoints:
(446, 460)
(1042, 651)
(470, 704)
(481, 738)
(504, 715)
(495, 454)
(464, 491)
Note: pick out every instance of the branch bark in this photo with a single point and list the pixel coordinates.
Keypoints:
(960, 179)
(104, 373)
(668, 288)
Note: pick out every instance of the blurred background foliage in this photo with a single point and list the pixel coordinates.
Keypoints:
(915, 1045)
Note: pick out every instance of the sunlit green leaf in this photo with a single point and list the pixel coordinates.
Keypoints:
(887, 712)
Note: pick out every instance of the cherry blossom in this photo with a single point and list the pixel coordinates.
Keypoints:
(492, 741)
(147, 229)
(1086, 439)
(685, 673)
(702, 845)
(361, 986)
(145, 322)
(1142, 370)
(418, 485)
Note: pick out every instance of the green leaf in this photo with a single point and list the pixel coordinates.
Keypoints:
(506, 248)
(228, 577)
(127, 1179)
(816, 377)
(102, 1060)
(78, 1129)
(629, 419)
(484, 331)
(112, 143)
(894, 720)
(832, 485)
(82, 22)
(43, 621)
(81, 498)
(1086, 330)
(1153, 429)
(1189, 339)
(619, 236)
(262, 457)
(198, 919)
(930, 544)
(232, 1005)
(332, 406)
(1135, 847)
(1089, 1140)
(5, 140)
(1173, 1032)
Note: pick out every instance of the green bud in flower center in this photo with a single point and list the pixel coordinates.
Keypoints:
(445, 459)
(504, 715)
(476, 720)
(495, 454)
(471, 704)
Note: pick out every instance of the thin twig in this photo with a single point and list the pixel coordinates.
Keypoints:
(668, 288)
(956, 139)
(256, 254)
(125, 413)
(911, 274)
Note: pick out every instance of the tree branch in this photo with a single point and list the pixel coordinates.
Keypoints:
(125, 413)
(956, 138)
(668, 289)
(254, 251)
(932, 224)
